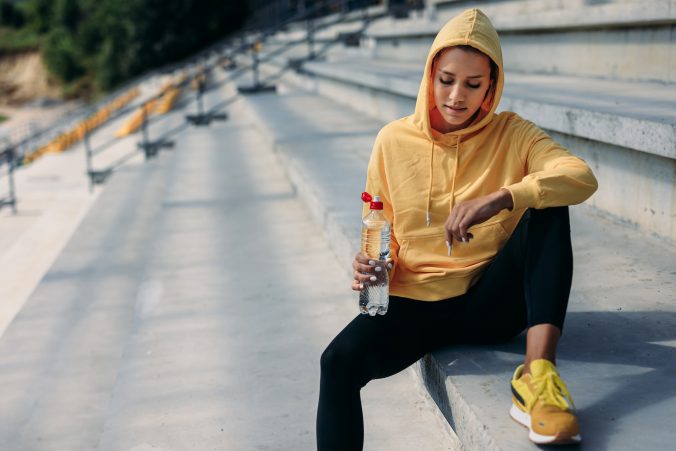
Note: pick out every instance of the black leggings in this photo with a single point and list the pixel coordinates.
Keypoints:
(527, 284)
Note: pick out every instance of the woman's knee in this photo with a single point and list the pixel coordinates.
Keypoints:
(337, 357)
(342, 359)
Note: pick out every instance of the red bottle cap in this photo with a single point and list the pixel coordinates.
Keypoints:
(376, 204)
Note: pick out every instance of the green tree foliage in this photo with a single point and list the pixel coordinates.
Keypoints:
(39, 14)
(10, 15)
(66, 14)
(110, 41)
(61, 55)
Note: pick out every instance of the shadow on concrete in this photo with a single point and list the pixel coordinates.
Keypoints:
(621, 362)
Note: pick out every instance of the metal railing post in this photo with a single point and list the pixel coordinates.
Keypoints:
(88, 155)
(310, 39)
(254, 57)
(200, 106)
(257, 86)
(12, 189)
(10, 157)
(95, 177)
(148, 152)
(202, 117)
(150, 148)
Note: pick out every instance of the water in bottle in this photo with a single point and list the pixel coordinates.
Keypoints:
(375, 244)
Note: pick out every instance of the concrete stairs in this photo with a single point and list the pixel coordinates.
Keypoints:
(70, 274)
(613, 105)
(53, 197)
(622, 123)
(188, 311)
(616, 289)
(604, 39)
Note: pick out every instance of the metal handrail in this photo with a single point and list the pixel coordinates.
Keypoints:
(366, 19)
(225, 48)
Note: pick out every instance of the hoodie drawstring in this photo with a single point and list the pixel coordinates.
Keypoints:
(429, 191)
(455, 176)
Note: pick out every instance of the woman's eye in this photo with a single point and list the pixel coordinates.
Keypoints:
(451, 81)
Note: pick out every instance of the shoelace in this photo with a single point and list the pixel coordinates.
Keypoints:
(552, 391)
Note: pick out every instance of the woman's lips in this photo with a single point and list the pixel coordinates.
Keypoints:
(455, 111)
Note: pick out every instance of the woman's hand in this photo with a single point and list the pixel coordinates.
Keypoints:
(475, 211)
(362, 264)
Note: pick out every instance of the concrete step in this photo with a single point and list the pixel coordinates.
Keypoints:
(643, 115)
(60, 355)
(226, 343)
(529, 5)
(321, 31)
(53, 196)
(297, 29)
(69, 268)
(180, 315)
(547, 15)
(626, 131)
(619, 340)
(577, 39)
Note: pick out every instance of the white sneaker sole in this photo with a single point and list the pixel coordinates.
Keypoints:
(523, 419)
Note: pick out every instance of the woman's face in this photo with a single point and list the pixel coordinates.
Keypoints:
(461, 81)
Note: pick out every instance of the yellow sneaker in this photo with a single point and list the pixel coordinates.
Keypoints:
(539, 403)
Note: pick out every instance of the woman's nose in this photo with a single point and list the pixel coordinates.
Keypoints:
(457, 94)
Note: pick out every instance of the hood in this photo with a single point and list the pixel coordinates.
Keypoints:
(472, 28)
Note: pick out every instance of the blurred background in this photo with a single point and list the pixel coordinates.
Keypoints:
(77, 50)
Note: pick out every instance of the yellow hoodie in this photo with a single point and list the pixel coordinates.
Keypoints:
(421, 174)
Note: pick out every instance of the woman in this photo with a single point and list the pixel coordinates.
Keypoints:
(480, 241)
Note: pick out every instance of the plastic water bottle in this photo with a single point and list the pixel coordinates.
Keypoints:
(375, 244)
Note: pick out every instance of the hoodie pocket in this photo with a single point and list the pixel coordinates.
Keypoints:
(424, 258)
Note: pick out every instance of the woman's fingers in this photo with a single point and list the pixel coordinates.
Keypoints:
(459, 221)
(365, 269)
(363, 265)
(472, 212)
(455, 225)
(464, 224)
(447, 229)
(361, 277)
(361, 258)
(356, 286)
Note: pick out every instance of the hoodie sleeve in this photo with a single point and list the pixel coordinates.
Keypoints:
(554, 177)
(377, 185)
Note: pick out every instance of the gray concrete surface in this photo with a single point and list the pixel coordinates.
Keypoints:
(619, 339)
(188, 312)
(538, 15)
(626, 130)
(571, 38)
(59, 357)
(639, 116)
(53, 196)
(616, 355)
